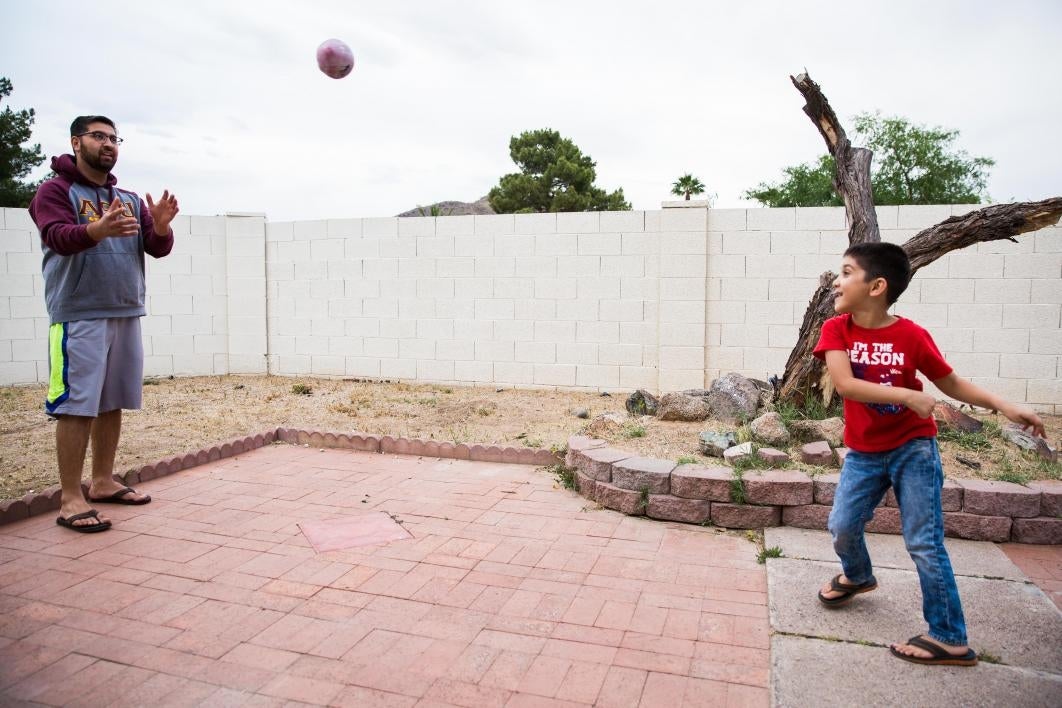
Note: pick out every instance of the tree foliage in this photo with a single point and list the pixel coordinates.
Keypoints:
(687, 185)
(913, 164)
(16, 161)
(554, 175)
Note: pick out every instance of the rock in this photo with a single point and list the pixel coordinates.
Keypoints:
(951, 417)
(769, 429)
(817, 453)
(605, 424)
(972, 464)
(1050, 496)
(829, 429)
(641, 402)
(733, 398)
(714, 444)
(737, 452)
(679, 406)
(581, 413)
(1017, 435)
(773, 458)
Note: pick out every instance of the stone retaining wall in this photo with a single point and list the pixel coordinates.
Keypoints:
(660, 489)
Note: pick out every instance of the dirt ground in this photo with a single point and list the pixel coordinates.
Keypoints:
(186, 414)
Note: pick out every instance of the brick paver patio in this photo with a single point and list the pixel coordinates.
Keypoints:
(510, 592)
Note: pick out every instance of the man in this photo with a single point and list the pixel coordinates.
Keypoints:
(94, 237)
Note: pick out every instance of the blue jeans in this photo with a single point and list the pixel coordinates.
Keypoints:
(915, 474)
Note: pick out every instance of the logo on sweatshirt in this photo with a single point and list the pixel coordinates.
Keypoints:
(90, 212)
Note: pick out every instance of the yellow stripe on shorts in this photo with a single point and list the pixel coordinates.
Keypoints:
(58, 387)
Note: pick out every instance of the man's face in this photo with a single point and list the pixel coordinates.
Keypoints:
(99, 154)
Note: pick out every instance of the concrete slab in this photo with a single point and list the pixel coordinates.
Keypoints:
(813, 672)
(973, 558)
(1011, 620)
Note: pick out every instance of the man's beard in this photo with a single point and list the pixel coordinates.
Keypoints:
(97, 162)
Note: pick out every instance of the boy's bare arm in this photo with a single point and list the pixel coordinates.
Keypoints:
(954, 386)
(854, 389)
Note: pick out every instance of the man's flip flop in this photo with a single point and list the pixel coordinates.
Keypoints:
(68, 522)
(849, 591)
(940, 655)
(119, 498)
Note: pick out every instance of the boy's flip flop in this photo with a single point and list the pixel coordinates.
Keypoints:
(68, 522)
(119, 498)
(940, 655)
(849, 591)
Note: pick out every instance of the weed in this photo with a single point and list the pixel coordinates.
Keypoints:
(687, 460)
(484, 411)
(752, 536)
(643, 498)
(532, 442)
(1015, 477)
(559, 449)
(300, 389)
(989, 658)
(565, 475)
(633, 430)
(764, 554)
(151, 382)
(743, 434)
(738, 492)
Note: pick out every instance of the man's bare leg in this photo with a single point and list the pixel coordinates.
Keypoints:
(106, 430)
(71, 441)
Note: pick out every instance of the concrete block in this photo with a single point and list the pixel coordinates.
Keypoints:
(610, 497)
(1041, 530)
(989, 498)
(579, 222)
(781, 487)
(1032, 316)
(684, 220)
(1032, 265)
(921, 217)
(669, 508)
(807, 516)
(494, 224)
(622, 221)
(771, 219)
(640, 473)
(745, 516)
(977, 527)
(727, 219)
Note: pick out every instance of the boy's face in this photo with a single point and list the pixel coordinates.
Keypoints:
(853, 290)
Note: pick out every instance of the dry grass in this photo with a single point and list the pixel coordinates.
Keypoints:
(186, 414)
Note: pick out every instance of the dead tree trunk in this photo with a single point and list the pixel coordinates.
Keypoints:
(805, 376)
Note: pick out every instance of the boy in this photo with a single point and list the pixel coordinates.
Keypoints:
(872, 357)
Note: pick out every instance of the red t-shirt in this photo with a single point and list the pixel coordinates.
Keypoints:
(888, 356)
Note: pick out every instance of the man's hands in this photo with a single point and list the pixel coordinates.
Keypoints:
(113, 223)
(163, 212)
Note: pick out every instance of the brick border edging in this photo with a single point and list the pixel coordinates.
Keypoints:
(48, 499)
(973, 509)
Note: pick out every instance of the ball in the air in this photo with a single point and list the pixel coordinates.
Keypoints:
(334, 58)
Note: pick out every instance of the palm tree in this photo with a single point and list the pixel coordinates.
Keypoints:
(686, 185)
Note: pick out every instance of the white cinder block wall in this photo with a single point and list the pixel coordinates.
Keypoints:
(662, 300)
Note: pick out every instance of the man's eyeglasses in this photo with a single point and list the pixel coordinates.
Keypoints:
(100, 137)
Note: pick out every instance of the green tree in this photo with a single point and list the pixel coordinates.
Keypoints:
(16, 161)
(913, 164)
(686, 185)
(554, 175)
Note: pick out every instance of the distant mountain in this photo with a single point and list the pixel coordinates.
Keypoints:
(450, 208)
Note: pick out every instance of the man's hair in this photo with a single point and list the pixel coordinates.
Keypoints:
(883, 260)
(81, 124)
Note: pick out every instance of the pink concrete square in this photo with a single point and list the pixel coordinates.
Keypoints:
(362, 530)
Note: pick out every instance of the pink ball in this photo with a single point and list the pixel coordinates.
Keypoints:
(334, 58)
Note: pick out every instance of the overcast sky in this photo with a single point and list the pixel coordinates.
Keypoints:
(222, 102)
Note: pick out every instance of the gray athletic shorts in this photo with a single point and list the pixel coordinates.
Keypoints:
(94, 366)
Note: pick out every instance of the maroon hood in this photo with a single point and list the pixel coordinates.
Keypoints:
(66, 166)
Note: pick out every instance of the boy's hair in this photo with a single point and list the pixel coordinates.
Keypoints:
(884, 260)
(81, 124)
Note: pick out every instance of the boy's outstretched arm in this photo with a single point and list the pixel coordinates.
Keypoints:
(840, 368)
(955, 386)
